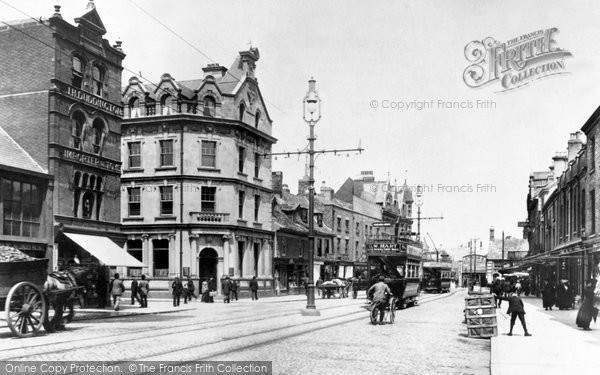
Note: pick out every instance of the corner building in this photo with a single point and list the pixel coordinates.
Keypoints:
(60, 101)
(196, 189)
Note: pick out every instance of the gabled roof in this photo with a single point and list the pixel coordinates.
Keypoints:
(92, 18)
(14, 156)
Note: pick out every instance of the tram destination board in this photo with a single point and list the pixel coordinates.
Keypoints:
(386, 247)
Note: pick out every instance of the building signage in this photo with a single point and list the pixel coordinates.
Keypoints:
(92, 100)
(384, 246)
(94, 161)
(382, 224)
(523, 224)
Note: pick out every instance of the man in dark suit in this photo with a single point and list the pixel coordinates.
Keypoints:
(254, 288)
(516, 309)
(226, 289)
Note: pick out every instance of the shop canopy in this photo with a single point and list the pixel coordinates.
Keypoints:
(105, 250)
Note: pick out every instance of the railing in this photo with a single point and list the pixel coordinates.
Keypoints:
(209, 217)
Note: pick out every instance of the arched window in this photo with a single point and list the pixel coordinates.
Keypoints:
(98, 135)
(97, 80)
(99, 184)
(78, 67)
(77, 123)
(257, 119)
(242, 111)
(84, 181)
(209, 106)
(165, 104)
(87, 204)
(134, 107)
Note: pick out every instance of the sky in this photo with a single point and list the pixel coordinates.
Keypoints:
(366, 56)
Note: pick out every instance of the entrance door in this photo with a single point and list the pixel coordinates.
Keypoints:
(208, 263)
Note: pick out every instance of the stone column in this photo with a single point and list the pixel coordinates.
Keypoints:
(173, 256)
(145, 255)
(219, 273)
(150, 253)
(268, 258)
(194, 254)
(226, 255)
(235, 258)
(248, 265)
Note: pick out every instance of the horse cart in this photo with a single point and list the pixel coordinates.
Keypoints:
(332, 288)
(31, 298)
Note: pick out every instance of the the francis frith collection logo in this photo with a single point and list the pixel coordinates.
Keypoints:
(514, 63)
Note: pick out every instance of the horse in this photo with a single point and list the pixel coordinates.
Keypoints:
(58, 298)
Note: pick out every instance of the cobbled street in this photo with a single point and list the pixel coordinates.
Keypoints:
(426, 339)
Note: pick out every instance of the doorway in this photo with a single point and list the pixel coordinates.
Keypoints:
(208, 262)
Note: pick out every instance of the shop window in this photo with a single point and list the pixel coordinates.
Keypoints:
(207, 199)
(256, 256)
(135, 249)
(77, 123)
(98, 75)
(209, 154)
(160, 256)
(241, 246)
(77, 72)
(241, 158)
(21, 208)
(241, 200)
(135, 154)
(166, 200)
(166, 153)
(98, 130)
(256, 207)
(134, 195)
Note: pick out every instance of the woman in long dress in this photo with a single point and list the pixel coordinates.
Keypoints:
(548, 295)
(586, 311)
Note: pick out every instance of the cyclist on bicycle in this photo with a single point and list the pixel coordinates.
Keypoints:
(380, 291)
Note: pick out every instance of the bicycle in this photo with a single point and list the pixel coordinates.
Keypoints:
(389, 313)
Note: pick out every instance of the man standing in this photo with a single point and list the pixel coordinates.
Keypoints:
(234, 289)
(516, 309)
(134, 291)
(116, 290)
(254, 288)
(212, 289)
(189, 290)
(226, 288)
(143, 289)
(177, 287)
(380, 291)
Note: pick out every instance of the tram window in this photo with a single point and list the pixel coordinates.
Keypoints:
(400, 270)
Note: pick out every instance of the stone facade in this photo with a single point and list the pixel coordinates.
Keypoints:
(197, 190)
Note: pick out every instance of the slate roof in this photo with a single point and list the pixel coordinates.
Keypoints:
(13, 155)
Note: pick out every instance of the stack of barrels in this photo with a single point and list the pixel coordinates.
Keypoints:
(480, 316)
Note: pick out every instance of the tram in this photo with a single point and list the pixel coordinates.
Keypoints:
(437, 277)
(398, 259)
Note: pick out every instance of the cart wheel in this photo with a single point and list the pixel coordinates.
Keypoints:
(25, 309)
(374, 315)
(392, 310)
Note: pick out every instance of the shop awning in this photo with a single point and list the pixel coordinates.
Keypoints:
(105, 250)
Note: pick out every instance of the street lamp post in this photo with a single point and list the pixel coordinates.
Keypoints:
(419, 204)
(312, 114)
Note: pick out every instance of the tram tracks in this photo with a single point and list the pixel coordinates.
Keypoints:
(286, 328)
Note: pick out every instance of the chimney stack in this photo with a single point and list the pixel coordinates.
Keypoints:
(303, 185)
(491, 234)
(326, 191)
(560, 164)
(277, 182)
(574, 145)
(285, 188)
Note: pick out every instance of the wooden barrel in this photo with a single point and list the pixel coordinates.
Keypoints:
(480, 315)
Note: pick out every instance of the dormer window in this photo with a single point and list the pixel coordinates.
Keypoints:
(209, 106)
(97, 80)
(242, 111)
(304, 215)
(134, 107)
(77, 72)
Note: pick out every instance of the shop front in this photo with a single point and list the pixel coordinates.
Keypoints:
(291, 274)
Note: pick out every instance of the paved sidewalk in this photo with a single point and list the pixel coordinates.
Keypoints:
(556, 347)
